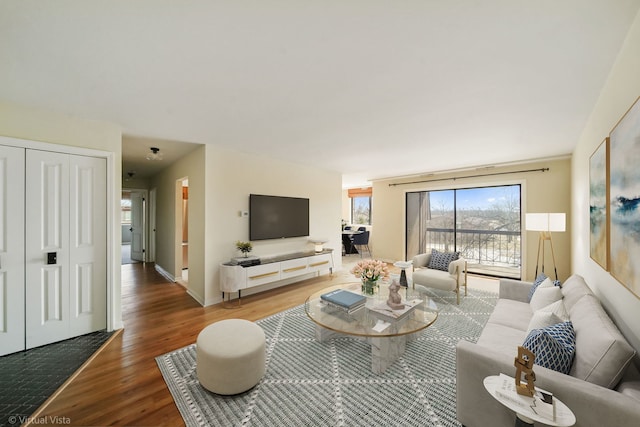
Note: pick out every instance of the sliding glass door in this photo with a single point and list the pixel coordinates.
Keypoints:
(482, 223)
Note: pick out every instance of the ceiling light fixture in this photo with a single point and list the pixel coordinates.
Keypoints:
(155, 154)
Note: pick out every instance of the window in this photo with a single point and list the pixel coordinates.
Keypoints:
(361, 210)
(482, 223)
(360, 205)
(125, 210)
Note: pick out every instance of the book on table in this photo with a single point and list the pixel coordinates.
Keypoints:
(542, 402)
(386, 311)
(346, 300)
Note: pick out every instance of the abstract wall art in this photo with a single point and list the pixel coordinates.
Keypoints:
(624, 200)
(598, 188)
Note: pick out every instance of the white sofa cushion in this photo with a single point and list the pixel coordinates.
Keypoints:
(573, 289)
(542, 319)
(543, 296)
(558, 309)
(501, 338)
(602, 353)
(514, 314)
(537, 282)
(434, 278)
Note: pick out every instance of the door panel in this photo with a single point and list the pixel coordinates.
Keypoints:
(47, 247)
(137, 226)
(12, 306)
(88, 246)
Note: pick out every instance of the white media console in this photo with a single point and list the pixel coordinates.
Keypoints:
(235, 278)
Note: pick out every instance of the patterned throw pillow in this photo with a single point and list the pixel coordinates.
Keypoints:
(536, 283)
(441, 260)
(553, 346)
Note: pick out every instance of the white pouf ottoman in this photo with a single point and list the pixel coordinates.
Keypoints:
(230, 356)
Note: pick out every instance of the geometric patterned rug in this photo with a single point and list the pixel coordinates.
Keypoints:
(309, 383)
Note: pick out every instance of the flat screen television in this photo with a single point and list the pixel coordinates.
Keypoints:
(276, 217)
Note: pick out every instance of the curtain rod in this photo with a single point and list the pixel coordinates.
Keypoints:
(468, 176)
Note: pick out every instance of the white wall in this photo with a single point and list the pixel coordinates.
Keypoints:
(231, 176)
(220, 181)
(620, 91)
(168, 218)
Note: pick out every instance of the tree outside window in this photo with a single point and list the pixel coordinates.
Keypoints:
(361, 210)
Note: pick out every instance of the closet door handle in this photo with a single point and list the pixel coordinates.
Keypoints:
(52, 258)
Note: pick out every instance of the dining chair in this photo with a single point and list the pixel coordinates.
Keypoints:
(360, 241)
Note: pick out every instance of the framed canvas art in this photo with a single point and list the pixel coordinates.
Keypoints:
(624, 200)
(598, 190)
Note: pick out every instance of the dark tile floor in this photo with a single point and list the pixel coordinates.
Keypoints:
(29, 377)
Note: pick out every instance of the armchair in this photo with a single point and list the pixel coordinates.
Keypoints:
(450, 279)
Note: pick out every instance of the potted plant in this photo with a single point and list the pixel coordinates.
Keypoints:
(244, 247)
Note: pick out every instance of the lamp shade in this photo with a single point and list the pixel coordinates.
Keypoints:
(545, 222)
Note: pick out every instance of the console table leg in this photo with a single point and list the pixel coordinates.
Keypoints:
(227, 303)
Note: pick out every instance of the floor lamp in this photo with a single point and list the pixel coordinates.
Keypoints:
(545, 223)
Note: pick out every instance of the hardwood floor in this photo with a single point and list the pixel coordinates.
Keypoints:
(122, 385)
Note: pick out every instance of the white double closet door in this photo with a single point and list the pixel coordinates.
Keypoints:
(52, 247)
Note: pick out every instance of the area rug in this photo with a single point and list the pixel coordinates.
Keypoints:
(308, 383)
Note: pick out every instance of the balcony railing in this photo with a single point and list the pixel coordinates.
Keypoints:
(490, 252)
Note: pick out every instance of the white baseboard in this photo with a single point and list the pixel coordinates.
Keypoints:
(165, 273)
(196, 297)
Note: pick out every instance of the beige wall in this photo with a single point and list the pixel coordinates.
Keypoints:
(542, 192)
(220, 182)
(47, 126)
(168, 219)
(346, 206)
(232, 176)
(619, 93)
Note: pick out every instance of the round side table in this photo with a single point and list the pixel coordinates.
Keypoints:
(403, 265)
(502, 388)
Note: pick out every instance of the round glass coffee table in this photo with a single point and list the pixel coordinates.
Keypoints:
(387, 330)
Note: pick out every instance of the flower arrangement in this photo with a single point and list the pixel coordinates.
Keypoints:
(370, 270)
(244, 247)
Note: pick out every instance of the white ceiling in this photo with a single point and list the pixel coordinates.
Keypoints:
(369, 88)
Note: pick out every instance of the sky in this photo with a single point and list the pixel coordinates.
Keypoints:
(475, 198)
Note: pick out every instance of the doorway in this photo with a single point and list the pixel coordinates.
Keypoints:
(133, 222)
(182, 229)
